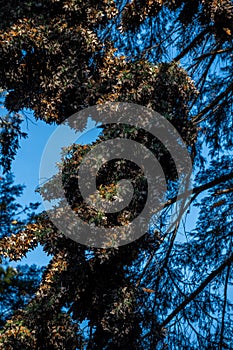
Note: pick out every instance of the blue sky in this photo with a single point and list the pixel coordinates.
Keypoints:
(26, 170)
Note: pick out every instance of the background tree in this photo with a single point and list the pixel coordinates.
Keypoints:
(58, 57)
(17, 285)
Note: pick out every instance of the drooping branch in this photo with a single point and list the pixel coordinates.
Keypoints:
(167, 257)
(199, 189)
(194, 42)
(213, 53)
(194, 294)
(202, 80)
(224, 308)
(198, 118)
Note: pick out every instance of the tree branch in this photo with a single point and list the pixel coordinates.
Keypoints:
(166, 260)
(197, 119)
(202, 80)
(194, 294)
(197, 190)
(213, 53)
(224, 308)
(192, 44)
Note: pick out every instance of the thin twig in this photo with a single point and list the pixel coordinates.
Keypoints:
(194, 294)
(199, 189)
(224, 308)
(192, 44)
(198, 118)
(213, 53)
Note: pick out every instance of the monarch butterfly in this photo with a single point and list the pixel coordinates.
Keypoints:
(147, 290)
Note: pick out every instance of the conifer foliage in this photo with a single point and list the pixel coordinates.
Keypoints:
(61, 56)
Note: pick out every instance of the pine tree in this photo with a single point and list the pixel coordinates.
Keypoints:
(61, 56)
(17, 284)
